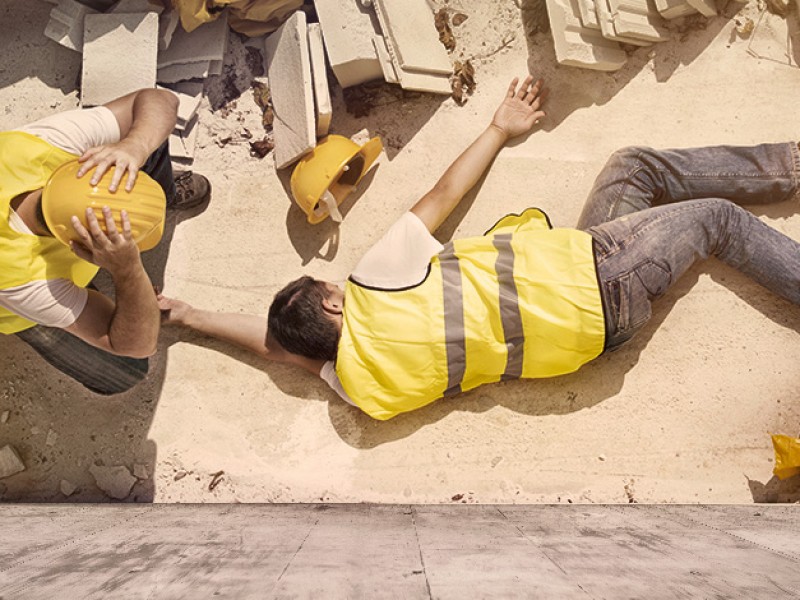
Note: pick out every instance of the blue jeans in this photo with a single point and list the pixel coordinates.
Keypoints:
(653, 213)
(98, 370)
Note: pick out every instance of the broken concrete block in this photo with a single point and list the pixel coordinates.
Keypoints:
(116, 481)
(187, 106)
(183, 72)
(137, 6)
(706, 8)
(672, 9)
(10, 462)
(607, 26)
(289, 73)
(319, 77)
(114, 40)
(588, 14)
(207, 42)
(437, 83)
(389, 74)
(67, 487)
(347, 29)
(637, 19)
(410, 26)
(579, 46)
(182, 141)
(66, 24)
(140, 472)
(52, 436)
(167, 23)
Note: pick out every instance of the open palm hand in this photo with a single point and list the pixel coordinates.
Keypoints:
(520, 109)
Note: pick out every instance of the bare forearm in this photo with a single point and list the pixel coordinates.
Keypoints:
(459, 178)
(247, 331)
(133, 330)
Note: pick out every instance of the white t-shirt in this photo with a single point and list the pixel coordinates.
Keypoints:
(399, 259)
(59, 302)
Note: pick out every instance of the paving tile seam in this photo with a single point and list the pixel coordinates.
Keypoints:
(674, 517)
(413, 514)
(291, 560)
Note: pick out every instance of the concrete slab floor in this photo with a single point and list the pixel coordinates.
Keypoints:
(682, 414)
(400, 551)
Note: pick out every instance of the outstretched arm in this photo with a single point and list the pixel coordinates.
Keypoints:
(518, 113)
(145, 118)
(246, 331)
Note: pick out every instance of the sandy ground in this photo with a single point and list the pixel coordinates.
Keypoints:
(682, 414)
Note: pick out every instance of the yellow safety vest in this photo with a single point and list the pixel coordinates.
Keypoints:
(521, 301)
(26, 163)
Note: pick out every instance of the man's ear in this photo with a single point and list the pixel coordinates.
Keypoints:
(333, 307)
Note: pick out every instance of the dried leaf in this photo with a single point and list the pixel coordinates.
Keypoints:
(442, 22)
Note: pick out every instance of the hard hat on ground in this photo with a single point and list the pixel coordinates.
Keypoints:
(335, 166)
(65, 195)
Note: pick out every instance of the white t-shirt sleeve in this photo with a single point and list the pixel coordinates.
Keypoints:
(328, 374)
(400, 258)
(54, 303)
(75, 131)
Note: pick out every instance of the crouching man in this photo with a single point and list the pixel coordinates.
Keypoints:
(44, 300)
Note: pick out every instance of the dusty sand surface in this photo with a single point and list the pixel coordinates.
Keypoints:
(682, 414)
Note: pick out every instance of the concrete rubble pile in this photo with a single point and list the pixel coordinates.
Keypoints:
(589, 33)
(133, 44)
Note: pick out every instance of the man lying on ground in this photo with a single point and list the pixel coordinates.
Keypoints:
(418, 320)
(44, 300)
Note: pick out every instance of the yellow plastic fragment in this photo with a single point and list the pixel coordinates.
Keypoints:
(787, 456)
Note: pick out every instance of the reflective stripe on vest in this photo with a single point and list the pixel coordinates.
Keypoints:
(522, 301)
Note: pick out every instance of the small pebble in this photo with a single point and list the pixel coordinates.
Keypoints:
(4, 417)
(67, 487)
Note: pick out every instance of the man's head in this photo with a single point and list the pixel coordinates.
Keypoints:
(305, 318)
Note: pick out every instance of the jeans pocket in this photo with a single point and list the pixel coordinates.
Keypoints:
(653, 277)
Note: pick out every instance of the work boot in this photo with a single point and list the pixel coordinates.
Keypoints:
(192, 189)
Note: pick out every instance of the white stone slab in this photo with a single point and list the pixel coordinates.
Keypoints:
(182, 141)
(347, 30)
(10, 462)
(672, 9)
(66, 24)
(119, 55)
(207, 42)
(187, 105)
(389, 74)
(588, 14)
(638, 19)
(289, 73)
(579, 46)
(436, 83)
(704, 7)
(608, 29)
(184, 71)
(319, 76)
(410, 25)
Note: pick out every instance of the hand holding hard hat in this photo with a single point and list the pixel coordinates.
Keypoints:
(66, 195)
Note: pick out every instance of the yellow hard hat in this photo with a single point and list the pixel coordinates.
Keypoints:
(336, 166)
(64, 195)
